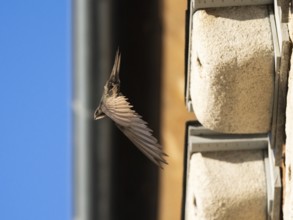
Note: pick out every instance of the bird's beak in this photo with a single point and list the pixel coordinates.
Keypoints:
(98, 114)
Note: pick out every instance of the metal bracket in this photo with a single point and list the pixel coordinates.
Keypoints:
(200, 4)
(188, 41)
(282, 49)
(274, 185)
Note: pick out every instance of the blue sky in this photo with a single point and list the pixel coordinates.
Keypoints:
(35, 114)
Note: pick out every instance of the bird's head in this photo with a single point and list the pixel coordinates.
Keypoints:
(99, 114)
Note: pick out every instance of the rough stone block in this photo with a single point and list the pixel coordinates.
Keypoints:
(226, 185)
(232, 69)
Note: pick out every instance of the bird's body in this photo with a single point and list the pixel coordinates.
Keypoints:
(114, 105)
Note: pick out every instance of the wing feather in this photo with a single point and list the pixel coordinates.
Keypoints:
(130, 123)
(118, 111)
(153, 152)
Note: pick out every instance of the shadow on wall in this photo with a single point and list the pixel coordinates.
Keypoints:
(137, 30)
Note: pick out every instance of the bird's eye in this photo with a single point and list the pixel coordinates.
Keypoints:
(110, 86)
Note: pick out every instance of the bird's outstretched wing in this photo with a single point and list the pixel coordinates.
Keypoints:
(130, 123)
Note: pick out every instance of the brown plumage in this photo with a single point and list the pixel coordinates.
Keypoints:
(114, 105)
